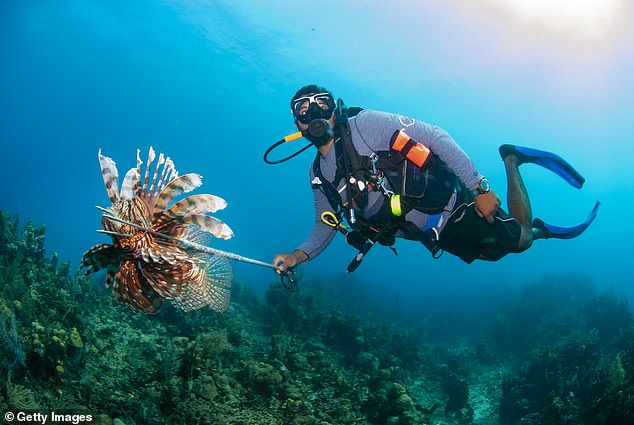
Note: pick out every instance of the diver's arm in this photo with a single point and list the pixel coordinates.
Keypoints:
(375, 129)
(321, 234)
(319, 238)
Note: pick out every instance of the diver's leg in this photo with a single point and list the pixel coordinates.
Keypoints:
(518, 202)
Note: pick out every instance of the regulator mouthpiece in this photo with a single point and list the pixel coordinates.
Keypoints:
(318, 132)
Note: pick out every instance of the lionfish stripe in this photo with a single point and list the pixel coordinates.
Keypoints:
(195, 235)
(138, 162)
(194, 298)
(168, 282)
(166, 175)
(218, 278)
(100, 257)
(220, 299)
(174, 256)
(197, 204)
(160, 162)
(133, 290)
(208, 285)
(110, 176)
(161, 254)
(161, 182)
(109, 278)
(150, 158)
(182, 184)
(209, 224)
(130, 182)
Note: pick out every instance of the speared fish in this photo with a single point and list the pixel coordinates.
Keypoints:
(158, 251)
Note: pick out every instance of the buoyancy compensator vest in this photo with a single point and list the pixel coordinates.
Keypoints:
(417, 179)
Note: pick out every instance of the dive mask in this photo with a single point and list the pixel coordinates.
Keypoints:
(311, 107)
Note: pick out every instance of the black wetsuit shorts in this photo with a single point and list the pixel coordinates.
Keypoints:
(470, 237)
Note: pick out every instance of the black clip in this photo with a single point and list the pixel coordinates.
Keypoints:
(290, 279)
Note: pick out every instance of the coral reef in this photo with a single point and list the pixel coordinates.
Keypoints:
(308, 357)
(574, 359)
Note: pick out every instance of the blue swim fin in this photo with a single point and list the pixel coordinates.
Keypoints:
(548, 231)
(548, 160)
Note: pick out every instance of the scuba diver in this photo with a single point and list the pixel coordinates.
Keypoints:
(390, 176)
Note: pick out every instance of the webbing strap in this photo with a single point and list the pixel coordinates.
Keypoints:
(348, 163)
(333, 196)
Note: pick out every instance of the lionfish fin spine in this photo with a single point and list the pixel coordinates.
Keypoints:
(129, 223)
(132, 289)
(111, 233)
(129, 185)
(166, 175)
(160, 162)
(110, 176)
(208, 224)
(138, 161)
(182, 184)
(101, 256)
(150, 158)
(198, 204)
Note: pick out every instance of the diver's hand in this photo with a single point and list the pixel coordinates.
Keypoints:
(486, 205)
(287, 261)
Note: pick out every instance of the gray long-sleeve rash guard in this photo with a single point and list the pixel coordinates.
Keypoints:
(371, 132)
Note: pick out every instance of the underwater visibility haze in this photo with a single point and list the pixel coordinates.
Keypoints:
(542, 336)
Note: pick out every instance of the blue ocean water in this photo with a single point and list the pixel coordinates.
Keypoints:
(208, 83)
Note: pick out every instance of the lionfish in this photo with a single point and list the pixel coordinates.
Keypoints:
(149, 259)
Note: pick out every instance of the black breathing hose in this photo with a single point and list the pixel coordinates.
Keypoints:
(279, 161)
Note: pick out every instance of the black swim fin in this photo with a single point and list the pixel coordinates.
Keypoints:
(548, 160)
(547, 231)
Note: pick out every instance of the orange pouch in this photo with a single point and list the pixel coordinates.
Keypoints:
(415, 152)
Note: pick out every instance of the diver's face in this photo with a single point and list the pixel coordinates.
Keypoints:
(313, 106)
